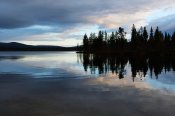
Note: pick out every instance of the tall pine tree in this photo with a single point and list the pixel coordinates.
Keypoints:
(145, 35)
(133, 36)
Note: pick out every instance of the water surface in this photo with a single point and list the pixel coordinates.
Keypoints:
(70, 84)
(65, 65)
(41, 64)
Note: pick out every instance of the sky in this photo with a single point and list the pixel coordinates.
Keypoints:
(64, 22)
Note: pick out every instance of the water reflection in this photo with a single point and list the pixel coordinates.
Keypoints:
(41, 64)
(76, 95)
(155, 70)
(140, 65)
(11, 57)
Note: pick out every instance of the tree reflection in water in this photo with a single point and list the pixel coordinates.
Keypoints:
(140, 64)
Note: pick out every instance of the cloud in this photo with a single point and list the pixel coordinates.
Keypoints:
(21, 19)
(23, 13)
(69, 37)
(166, 23)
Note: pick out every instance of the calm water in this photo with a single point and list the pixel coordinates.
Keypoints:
(152, 72)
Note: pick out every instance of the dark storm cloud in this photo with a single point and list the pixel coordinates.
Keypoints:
(23, 13)
(14, 15)
(19, 19)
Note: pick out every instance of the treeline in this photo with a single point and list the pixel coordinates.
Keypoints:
(141, 39)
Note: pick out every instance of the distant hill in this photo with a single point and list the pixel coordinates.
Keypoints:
(14, 46)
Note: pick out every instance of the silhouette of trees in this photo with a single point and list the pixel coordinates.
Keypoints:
(104, 41)
(153, 51)
(167, 40)
(145, 35)
(112, 41)
(158, 38)
(173, 40)
(151, 38)
(141, 40)
(120, 37)
(134, 36)
(85, 42)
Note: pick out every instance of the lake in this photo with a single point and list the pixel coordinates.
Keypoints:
(71, 84)
(42, 64)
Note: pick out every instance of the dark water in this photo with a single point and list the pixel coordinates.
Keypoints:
(157, 70)
(154, 71)
(70, 84)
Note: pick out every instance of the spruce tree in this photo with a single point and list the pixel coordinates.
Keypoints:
(173, 40)
(112, 40)
(157, 36)
(145, 35)
(167, 40)
(85, 42)
(133, 35)
(151, 38)
(121, 36)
